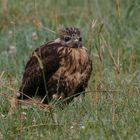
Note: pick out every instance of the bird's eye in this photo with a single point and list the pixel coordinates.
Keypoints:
(67, 38)
(80, 39)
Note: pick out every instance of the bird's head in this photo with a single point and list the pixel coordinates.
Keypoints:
(71, 37)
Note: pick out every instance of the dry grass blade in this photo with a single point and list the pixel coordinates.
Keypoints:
(93, 24)
(47, 29)
(99, 50)
(44, 78)
(1, 75)
(39, 24)
(14, 103)
(48, 125)
(117, 68)
(118, 8)
(41, 125)
(39, 60)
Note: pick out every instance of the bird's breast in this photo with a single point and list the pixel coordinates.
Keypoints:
(73, 63)
(73, 59)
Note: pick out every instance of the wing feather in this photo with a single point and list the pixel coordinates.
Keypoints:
(33, 75)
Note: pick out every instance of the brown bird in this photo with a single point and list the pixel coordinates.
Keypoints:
(58, 69)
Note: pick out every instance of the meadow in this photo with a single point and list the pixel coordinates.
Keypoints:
(111, 33)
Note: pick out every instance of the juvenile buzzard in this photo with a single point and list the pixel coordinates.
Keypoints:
(58, 69)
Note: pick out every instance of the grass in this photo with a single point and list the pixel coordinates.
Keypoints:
(111, 32)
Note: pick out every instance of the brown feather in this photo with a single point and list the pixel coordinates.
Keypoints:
(66, 71)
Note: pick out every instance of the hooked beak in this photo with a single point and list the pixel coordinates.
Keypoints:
(77, 44)
(76, 40)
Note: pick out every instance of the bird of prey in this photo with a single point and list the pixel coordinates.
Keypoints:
(59, 69)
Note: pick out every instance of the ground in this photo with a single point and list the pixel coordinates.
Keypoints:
(111, 33)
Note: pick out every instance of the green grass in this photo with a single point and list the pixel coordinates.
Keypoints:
(111, 108)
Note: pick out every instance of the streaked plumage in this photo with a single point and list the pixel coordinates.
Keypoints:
(59, 69)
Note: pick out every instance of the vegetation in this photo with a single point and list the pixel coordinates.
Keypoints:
(111, 32)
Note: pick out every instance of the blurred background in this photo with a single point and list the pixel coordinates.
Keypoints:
(25, 25)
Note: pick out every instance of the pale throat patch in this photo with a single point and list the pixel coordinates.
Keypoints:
(57, 40)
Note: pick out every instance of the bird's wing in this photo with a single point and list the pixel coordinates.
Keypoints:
(44, 60)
